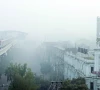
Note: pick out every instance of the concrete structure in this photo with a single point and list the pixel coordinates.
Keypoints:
(87, 66)
(74, 63)
(7, 44)
(55, 56)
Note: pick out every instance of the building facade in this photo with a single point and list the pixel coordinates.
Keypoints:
(85, 64)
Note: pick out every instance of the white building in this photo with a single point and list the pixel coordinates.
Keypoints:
(87, 66)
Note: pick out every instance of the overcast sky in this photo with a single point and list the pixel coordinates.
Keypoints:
(51, 20)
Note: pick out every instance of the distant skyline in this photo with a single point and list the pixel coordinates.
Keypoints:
(51, 20)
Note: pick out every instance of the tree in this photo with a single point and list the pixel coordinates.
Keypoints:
(5, 61)
(74, 84)
(46, 68)
(21, 77)
(43, 84)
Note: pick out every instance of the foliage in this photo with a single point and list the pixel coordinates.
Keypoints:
(46, 68)
(75, 84)
(5, 61)
(89, 58)
(21, 77)
(43, 84)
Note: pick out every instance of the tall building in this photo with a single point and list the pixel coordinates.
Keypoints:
(97, 50)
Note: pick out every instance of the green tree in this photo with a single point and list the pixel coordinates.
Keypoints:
(46, 68)
(43, 84)
(74, 84)
(21, 77)
(5, 61)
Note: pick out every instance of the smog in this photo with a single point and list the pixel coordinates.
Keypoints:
(49, 45)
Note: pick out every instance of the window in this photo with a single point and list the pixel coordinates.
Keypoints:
(91, 86)
(98, 89)
(92, 69)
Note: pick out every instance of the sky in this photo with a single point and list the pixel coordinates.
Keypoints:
(51, 20)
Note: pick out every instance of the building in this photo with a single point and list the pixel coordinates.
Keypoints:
(74, 62)
(54, 54)
(86, 65)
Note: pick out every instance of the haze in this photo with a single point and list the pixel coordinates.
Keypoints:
(51, 20)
